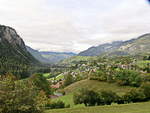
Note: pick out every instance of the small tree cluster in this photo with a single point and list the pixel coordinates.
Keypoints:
(92, 98)
(40, 82)
(128, 77)
(69, 79)
(57, 105)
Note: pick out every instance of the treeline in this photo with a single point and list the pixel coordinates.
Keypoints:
(15, 59)
(105, 97)
(122, 77)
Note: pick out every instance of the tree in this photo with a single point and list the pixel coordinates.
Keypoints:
(41, 83)
(85, 96)
(41, 100)
(17, 97)
(128, 77)
(68, 80)
(98, 75)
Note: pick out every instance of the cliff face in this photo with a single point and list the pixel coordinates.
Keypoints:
(14, 56)
(9, 34)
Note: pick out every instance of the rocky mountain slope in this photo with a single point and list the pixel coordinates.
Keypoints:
(139, 45)
(95, 51)
(14, 56)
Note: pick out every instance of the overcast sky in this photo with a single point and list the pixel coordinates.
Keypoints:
(75, 25)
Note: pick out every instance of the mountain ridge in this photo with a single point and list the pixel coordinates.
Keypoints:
(48, 57)
(128, 47)
(14, 57)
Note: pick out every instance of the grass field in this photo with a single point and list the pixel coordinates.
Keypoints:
(46, 75)
(125, 108)
(90, 84)
(57, 77)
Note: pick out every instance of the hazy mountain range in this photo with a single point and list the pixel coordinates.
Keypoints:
(12, 48)
(49, 57)
(135, 46)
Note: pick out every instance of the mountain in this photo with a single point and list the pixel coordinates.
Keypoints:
(55, 57)
(136, 46)
(140, 45)
(14, 56)
(37, 55)
(48, 57)
(95, 51)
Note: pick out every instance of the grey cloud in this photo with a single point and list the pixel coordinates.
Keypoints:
(75, 25)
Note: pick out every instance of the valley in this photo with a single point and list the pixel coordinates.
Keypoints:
(108, 81)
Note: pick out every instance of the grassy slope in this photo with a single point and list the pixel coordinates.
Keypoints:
(46, 75)
(91, 84)
(126, 108)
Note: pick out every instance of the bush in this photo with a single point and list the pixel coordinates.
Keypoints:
(98, 75)
(145, 88)
(85, 96)
(134, 95)
(120, 100)
(57, 105)
(108, 97)
(68, 80)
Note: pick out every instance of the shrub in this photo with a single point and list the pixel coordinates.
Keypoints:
(134, 95)
(68, 80)
(85, 96)
(57, 105)
(108, 97)
(120, 100)
(145, 88)
(98, 75)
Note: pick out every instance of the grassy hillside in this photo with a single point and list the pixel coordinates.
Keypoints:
(96, 85)
(90, 84)
(126, 108)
